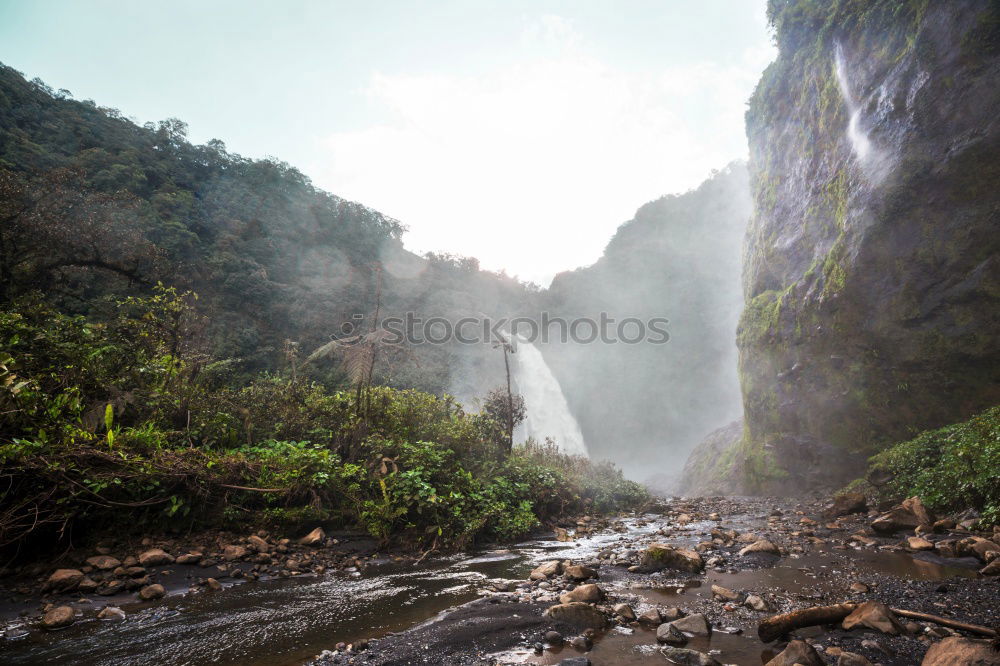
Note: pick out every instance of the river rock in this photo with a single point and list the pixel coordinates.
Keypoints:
(696, 625)
(845, 504)
(874, 615)
(756, 603)
(651, 617)
(660, 556)
(919, 543)
(686, 657)
(233, 552)
(797, 652)
(103, 562)
(152, 592)
(577, 614)
(957, 651)
(761, 546)
(155, 557)
(314, 538)
(189, 558)
(724, 593)
(111, 587)
(977, 547)
(852, 659)
(671, 614)
(59, 617)
(111, 613)
(991, 569)
(590, 594)
(258, 544)
(64, 580)
(908, 515)
(579, 572)
(213, 584)
(671, 635)
(625, 611)
(547, 570)
(87, 585)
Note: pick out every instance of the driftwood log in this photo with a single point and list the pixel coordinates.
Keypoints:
(776, 626)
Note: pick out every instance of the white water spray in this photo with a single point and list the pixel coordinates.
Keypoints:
(548, 413)
(860, 142)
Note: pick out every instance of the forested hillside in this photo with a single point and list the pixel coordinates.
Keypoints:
(166, 315)
(96, 207)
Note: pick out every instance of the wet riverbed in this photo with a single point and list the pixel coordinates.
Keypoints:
(287, 621)
(283, 622)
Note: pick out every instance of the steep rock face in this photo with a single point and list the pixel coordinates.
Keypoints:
(872, 266)
(646, 405)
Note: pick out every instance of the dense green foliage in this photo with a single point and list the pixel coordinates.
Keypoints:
(94, 206)
(952, 468)
(128, 423)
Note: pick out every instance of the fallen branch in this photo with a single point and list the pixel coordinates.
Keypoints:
(256, 490)
(945, 622)
(776, 626)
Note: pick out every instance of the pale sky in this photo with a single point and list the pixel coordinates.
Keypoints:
(518, 132)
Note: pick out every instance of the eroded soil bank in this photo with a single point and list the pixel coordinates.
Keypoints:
(350, 607)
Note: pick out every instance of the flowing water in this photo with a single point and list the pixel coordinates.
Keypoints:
(859, 140)
(284, 622)
(548, 414)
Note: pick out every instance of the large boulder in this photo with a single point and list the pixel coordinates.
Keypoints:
(152, 592)
(797, 653)
(695, 625)
(58, 617)
(659, 556)
(577, 614)
(546, 570)
(761, 546)
(103, 562)
(874, 615)
(579, 572)
(314, 538)
(671, 635)
(957, 651)
(909, 515)
(64, 580)
(590, 594)
(845, 504)
(976, 547)
(155, 557)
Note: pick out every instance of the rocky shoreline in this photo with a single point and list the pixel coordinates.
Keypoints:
(690, 584)
(610, 609)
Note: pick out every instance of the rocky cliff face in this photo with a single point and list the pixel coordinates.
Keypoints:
(872, 263)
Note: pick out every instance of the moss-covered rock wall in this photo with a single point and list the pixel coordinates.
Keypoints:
(872, 263)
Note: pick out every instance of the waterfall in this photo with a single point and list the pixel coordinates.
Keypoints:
(860, 142)
(548, 413)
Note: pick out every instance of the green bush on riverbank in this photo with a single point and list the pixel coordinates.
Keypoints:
(127, 424)
(951, 469)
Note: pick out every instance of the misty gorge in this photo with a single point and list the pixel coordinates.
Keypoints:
(500, 333)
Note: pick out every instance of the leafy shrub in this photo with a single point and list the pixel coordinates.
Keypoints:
(952, 468)
(114, 425)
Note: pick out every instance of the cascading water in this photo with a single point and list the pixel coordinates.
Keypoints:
(548, 413)
(860, 142)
